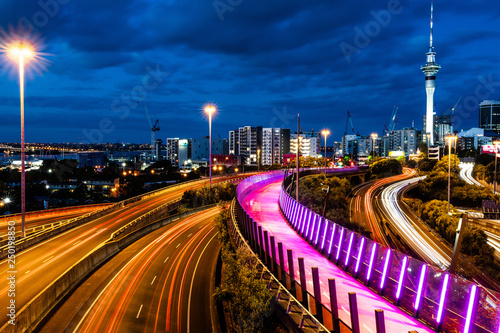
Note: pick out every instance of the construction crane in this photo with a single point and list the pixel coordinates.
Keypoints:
(392, 121)
(154, 127)
(349, 119)
(453, 114)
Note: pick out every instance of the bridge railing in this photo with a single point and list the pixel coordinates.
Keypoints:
(278, 258)
(443, 301)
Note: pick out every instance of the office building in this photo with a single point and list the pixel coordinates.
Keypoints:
(489, 115)
(310, 143)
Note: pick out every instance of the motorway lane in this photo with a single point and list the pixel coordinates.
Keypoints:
(41, 264)
(159, 283)
(414, 233)
(361, 205)
(466, 170)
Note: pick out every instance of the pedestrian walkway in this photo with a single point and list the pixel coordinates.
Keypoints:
(262, 205)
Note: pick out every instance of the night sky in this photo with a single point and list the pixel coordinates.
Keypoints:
(261, 62)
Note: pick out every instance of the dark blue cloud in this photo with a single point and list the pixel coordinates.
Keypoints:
(262, 63)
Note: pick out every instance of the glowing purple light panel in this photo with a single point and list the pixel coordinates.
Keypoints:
(339, 246)
(312, 229)
(401, 277)
(331, 239)
(317, 231)
(360, 253)
(420, 286)
(349, 249)
(370, 266)
(302, 219)
(386, 264)
(308, 224)
(294, 211)
(324, 234)
(472, 298)
(442, 298)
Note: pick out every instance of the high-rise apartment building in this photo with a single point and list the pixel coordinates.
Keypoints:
(275, 143)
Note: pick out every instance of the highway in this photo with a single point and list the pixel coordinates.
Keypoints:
(466, 174)
(41, 264)
(162, 282)
(415, 234)
(362, 210)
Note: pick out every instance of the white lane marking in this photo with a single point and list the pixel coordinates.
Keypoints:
(166, 260)
(48, 259)
(178, 245)
(153, 280)
(190, 235)
(138, 313)
(27, 272)
(192, 280)
(77, 242)
(367, 328)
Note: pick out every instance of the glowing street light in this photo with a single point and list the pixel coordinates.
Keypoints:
(210, 109)
(21, 53)
(325, 133)
(496, 143)
(450, 138)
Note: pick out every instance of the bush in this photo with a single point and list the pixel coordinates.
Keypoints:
(249, 301)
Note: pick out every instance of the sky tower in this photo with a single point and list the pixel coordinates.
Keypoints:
(430, 70)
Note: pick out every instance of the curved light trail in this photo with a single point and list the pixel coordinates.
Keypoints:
(415, 237)
(466, 174)
(363, 207)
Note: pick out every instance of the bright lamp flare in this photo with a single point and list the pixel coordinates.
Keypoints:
(22, 48)
(210, 108)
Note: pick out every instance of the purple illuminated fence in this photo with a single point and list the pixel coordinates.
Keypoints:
(339, 246)
(444, 288)
(325, 222)
(331, 239)
(384, 272)
(401, 278)
(318, 231)
(370, 265)
(349, 249)
(470, 307)
(420, 287)
(308, 224)
(312, 229)
(360, 255)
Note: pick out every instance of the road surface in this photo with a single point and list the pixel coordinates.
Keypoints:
(159, 283)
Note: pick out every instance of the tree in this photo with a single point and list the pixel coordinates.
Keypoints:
(426, 164)
(385, 168)
(424, 151)
(442, 165)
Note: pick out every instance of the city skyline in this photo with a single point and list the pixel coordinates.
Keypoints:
(261, 64)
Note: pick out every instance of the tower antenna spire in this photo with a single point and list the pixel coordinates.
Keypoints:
(432, 15)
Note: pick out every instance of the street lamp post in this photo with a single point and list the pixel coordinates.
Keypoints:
(22, 53)
(449, 138)
(210, 109)
(325, 133)
(258, 160)
(374, 137)
(496, 143)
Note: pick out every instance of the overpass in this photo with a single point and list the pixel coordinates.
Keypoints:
(413, 295)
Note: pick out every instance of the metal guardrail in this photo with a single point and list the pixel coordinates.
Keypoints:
(297, 312)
